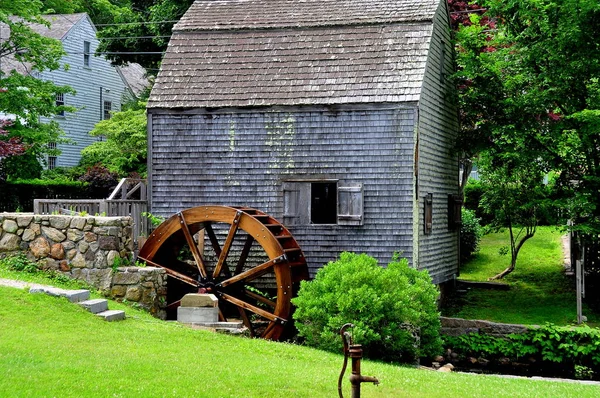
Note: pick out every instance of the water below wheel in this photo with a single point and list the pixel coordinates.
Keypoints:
(235, 253)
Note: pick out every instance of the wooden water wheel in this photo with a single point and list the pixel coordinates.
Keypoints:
(233, 253)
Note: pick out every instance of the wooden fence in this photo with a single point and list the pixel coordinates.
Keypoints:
(119, 203)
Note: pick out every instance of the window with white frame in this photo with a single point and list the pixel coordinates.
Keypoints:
(106, 109)
(322, 203)
(86, 54)
(51, 156)
(60, 101)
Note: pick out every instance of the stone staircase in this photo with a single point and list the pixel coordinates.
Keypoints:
(82, 297)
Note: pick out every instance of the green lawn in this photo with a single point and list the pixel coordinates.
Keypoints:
(539, 293)
(49, 347)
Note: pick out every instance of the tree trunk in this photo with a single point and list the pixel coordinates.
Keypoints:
(514, 253)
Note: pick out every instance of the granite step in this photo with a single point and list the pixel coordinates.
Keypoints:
(95, 306)
(112, 315)
(74, 296)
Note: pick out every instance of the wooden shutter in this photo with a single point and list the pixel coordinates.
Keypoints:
(350, 204)
(428, 214)
(296, 200)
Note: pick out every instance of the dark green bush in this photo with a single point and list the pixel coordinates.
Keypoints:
(565, 345)
(19, 262)
(386, 305)
(19, 195)
(470, 234)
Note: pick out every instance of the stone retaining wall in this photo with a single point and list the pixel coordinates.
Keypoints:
(458, 326)
(88, 249)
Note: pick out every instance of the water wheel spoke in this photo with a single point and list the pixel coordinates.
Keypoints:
(227, 245)
(244, 254)
(260, 298)
(194, 249)
(172, 273)
(252, 273)
(173, 305)
(246, 321)
(252, 308)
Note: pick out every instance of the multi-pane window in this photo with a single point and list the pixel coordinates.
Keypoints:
(107, 108)
(51, 158)
(60, 101)
(86, 53)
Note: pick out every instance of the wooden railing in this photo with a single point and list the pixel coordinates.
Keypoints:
(118, 204)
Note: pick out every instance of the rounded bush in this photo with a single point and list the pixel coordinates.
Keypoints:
(470, 234)
(393, 309)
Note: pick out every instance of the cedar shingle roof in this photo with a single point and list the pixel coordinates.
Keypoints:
(238, 53)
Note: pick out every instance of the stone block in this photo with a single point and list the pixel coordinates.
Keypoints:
(9, 242)
(108, 243)
(197, 315)
(199, 300)
(126, 278)
(24, 221)
(10, 226)
(112, 315)
(57, 251)
(95, 306)
(78, 261)
(78, 223)
(108, 221)
(90, 237)
(74, 235)
(133, 294)
(28, 235)
(40, 247)
(54, 234)
(59, 222)
(76, 296)
(83, 247)
(118, 291)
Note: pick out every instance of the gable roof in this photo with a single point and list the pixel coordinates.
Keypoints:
(237, 53)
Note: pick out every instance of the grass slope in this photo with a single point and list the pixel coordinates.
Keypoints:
(49, 347)
(540, 292)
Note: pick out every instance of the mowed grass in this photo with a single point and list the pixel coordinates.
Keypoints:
(539, 290)
(52, 348)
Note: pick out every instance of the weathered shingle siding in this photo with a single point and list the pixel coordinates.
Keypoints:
(438, 165)
(87, 81)
(261, 14)
(241, 158)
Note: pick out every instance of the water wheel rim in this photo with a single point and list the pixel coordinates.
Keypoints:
(245, 219)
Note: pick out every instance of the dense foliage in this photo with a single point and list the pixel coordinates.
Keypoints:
(565, 345)
(470, 234)
(25, 100)
(125, 149)
(530, 95)
(388, 306)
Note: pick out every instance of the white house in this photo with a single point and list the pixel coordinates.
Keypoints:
(100, 87)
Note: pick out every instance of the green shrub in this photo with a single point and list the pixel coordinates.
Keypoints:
(470, 234)
(386, 305)
(566, 345)
(19, 262)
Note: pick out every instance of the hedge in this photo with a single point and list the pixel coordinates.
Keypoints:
(19, 195)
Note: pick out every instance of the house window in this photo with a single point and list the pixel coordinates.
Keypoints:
(454, 212)
(60, 101)
(86, 54)
(428, 214)
(51, 156)
(322, 203)
(107, 107)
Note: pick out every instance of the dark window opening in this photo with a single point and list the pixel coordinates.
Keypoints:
(86, 53)
(60, 101)
(428, 216)
(323, 203)
(52, 156)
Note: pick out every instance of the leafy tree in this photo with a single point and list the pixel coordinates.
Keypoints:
(125, 149)
(516, 197)
(530, 89)
(145, 30)
(25, 97)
